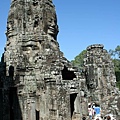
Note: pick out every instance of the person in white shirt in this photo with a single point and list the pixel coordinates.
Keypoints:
(90, 111)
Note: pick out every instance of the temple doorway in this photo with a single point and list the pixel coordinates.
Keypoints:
(72, 103)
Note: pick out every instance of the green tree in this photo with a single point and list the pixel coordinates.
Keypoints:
(78, 60)
(117, 51)
(115, 54)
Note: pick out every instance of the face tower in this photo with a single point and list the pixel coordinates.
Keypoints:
(31, 30)
(39, 82)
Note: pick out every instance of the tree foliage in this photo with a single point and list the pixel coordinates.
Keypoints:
(78, 60)
(115, 54)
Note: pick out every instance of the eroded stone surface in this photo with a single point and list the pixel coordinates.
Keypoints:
(37, 82)
(101, 79)
(40, 79)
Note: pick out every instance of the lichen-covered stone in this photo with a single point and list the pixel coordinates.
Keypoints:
(37, 82)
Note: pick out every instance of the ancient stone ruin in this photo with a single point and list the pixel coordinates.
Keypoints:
(37, 82)
(101, 80)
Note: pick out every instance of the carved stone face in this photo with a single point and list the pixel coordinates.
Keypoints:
(52, 26)
(10, 28)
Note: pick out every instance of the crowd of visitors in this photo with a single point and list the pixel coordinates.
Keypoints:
(94, 112)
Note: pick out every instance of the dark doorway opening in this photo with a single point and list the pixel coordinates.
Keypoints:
(67, 75)
(37, 114)
(72, 100)
(12, 94)
(11, 71)
(1, 104)
(15, 111)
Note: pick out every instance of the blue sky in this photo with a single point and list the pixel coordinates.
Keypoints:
(81, 23)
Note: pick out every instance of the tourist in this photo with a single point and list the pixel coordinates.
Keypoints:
(97, 110)
(90, 111)
(93, 112)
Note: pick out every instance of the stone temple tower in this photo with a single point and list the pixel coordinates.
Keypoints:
(37, 82)
(101, 79)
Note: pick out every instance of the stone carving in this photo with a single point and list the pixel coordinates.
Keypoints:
(101, 79)
(10, 27)
(40, 80)
(37, 82)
